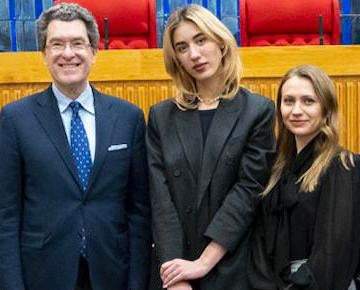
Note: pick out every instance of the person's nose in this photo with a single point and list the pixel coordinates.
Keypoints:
(194, 52)
(68, 50)
(296, 109)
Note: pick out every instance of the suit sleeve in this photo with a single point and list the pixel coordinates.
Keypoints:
(167, 230)
(10, 206)
(139, 211)
(232, 221)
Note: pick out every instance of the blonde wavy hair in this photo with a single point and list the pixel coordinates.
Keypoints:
(215, 30)
(326, 144)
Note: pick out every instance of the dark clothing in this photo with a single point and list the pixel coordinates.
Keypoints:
(206, 117)
(43, 205)
(207, 192)
(300, 207)
(321, 226)
(83, 280)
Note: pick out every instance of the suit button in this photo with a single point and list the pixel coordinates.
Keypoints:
(188, 210)
(177, 172)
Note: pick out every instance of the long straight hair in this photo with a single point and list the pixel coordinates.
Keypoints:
(213, 28)
(327, 141)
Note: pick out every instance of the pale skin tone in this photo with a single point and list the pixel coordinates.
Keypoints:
(301, 110)
(69, 56)
(201, 57)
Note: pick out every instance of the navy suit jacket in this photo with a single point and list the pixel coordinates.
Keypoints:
(42, 205)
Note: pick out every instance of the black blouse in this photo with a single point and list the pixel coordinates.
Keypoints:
(206, 117)
(302, 206)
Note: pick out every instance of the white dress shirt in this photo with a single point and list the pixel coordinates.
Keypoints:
(87, 114)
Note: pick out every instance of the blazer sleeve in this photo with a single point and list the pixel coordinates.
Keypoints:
(11, 277)
(335, 251)
(233, 219)
(138, 211)
(167, 230)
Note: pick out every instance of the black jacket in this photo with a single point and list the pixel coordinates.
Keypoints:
(207, 192)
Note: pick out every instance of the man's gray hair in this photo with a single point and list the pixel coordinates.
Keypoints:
(67, 12)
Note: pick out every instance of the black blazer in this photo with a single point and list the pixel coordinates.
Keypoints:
(42, 205)
(203, 193)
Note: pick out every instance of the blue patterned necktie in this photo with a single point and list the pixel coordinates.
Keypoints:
(80, 146)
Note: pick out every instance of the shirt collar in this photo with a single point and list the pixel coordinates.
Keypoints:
(86, 99)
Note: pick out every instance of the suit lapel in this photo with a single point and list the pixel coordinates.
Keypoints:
(47, 112)
(189, 130)
(105, 121)
(221, 126)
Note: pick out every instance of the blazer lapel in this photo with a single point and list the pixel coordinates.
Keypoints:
(189, 130)
(47, 112)
(221, 126)
(104, 120)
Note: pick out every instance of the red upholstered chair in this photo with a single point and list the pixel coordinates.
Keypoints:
(288, 22)
(132, 24)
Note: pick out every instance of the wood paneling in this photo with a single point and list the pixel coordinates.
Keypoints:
(139, 76)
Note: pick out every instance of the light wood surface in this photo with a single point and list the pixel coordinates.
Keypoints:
(139, 76)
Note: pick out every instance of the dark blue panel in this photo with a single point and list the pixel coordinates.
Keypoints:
(5, 36)
(4, 10)
(355, 21)
(38, 8)
(24, 10)
(230, 16)
(345, 21)
(12, 24)
(26, 36)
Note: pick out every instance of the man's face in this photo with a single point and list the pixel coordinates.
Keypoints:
(68, 54)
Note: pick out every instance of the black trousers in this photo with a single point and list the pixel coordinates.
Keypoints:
(83, 280)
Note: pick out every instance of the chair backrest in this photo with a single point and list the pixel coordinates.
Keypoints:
(132, 24)
(288, 22)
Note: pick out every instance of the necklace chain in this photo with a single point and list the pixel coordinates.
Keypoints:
(208, 101)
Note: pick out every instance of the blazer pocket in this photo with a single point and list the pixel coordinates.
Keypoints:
(33, 240)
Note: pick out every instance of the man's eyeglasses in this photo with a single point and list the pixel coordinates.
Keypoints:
(60, 46)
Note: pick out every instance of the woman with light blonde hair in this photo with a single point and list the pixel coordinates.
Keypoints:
(228, 77)
(210, 150)
(307, 234)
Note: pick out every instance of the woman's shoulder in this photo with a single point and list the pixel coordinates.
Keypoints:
(253, 98)
(164, 107)
(349, 164)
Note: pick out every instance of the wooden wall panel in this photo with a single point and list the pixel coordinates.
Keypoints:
(139, 77)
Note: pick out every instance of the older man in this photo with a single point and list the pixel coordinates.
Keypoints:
(74, 206)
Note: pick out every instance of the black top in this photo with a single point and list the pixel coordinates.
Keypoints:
(206, 117)
(302, 206)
